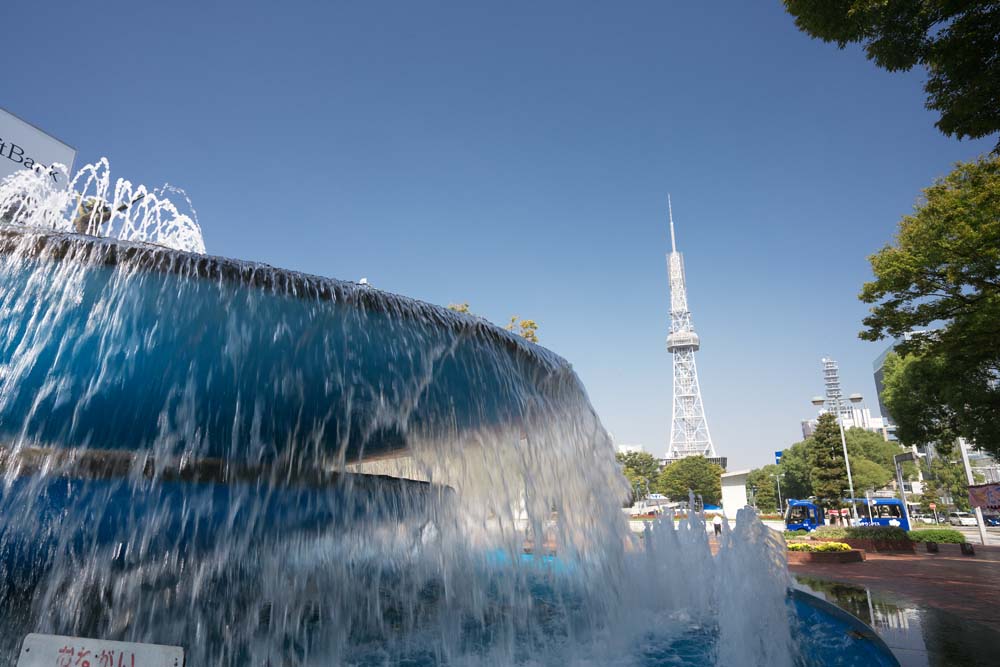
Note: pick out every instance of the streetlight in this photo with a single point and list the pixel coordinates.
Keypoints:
(777, 479)
(853, 398)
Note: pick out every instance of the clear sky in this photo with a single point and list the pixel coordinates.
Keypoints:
(518, 156)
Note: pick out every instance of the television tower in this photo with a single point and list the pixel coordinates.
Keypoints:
(689, 434)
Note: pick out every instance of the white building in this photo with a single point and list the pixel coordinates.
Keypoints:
(734, 492)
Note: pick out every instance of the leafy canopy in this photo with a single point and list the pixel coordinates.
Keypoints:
(943, 274)
(762, 487)
(641, 469)
(826, 458)
(695, 473)
(957, 42)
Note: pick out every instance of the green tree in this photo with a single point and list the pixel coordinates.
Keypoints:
(826, 458)
(796, 481)
(868, 475)
(766, 494)
(871, 446)
(695, 473)
(947, 472)
(641, 469)
(944, 271)
(930, 495)
(956, 41)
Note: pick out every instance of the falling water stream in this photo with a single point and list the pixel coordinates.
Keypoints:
(270, 468)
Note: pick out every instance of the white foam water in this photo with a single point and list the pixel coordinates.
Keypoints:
(133, 212)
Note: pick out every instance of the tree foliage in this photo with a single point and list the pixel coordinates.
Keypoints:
(957, 42)
(943, 271)
(872, 465)
(641, 469)
(947, 473)
(796, 469)
(826, 459)
(694, 473)
(763, 488)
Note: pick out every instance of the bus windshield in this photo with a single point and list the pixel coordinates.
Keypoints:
(796, 514)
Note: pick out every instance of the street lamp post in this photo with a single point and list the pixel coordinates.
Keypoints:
(854, 398)
(781, 505)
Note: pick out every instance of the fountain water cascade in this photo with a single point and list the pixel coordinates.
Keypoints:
(184, 441)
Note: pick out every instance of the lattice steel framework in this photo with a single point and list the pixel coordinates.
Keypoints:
(689, 434)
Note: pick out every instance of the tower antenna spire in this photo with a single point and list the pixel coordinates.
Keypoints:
(670, 208)
(689, 435)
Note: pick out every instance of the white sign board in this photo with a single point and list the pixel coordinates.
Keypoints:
(58, 651)
(22, 146)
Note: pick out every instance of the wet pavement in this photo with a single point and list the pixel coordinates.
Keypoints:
(919, 635)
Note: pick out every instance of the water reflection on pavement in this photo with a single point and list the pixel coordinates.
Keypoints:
(919, 636)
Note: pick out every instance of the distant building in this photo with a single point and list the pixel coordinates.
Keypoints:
(628, 449)
(852, 413)
(734, 492)
(878, 369)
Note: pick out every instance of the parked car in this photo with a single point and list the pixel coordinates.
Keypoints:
(924, 518)
(961, 519)
(991, 519)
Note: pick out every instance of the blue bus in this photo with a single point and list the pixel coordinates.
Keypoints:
(883, 512)
(802, 515)
(805, 515)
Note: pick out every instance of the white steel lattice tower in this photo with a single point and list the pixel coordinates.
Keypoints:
(689, 433)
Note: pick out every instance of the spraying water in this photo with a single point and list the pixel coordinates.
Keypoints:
(189, 447)
(89, 204)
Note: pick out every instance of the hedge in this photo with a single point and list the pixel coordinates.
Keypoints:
(796, 533)
(876, 533)
(943, 535)
(822, 547)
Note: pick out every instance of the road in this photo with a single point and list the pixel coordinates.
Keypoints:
(971, 532)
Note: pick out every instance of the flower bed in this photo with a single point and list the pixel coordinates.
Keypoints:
(821, 547)
(823, 552)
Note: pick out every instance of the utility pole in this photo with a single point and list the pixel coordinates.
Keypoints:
(968, 476)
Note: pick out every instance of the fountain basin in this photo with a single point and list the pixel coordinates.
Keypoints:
(146, 340)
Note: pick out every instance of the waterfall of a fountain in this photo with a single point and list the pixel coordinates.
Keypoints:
(180, 437)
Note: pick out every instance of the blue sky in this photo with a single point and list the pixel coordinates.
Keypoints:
(518, 156)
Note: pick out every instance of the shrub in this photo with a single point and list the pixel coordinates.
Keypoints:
(830, 533)
(796, 533)
(877, 533)
(943, 535)
(823, 547)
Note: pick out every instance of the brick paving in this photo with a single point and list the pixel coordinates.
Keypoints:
(966, 586)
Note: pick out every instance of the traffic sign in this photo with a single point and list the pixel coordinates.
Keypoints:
(777, 458)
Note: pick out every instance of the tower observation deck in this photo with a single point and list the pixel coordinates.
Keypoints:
(689, 434)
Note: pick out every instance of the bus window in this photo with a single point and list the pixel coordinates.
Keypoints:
(889, 512)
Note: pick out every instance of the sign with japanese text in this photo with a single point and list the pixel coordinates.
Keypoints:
(59, 651)
(985, 496)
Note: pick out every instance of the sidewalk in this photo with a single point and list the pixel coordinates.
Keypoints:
(966, 586)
